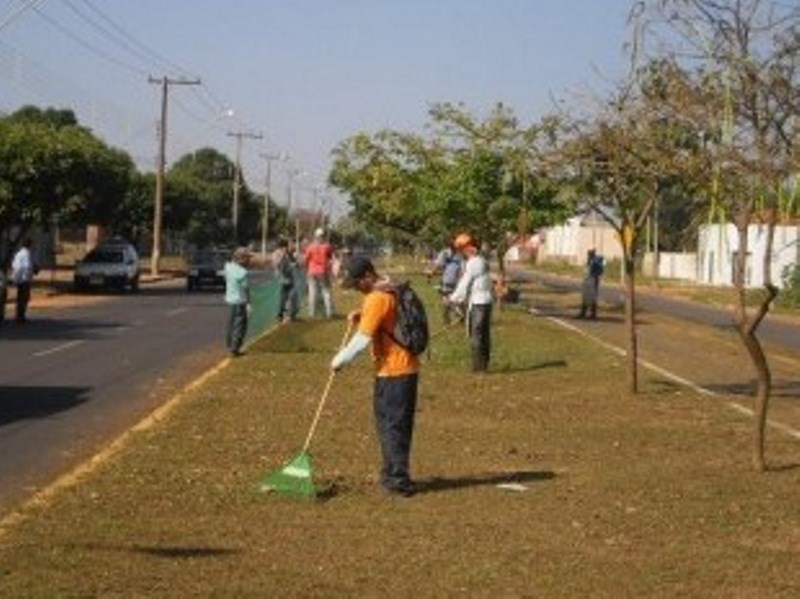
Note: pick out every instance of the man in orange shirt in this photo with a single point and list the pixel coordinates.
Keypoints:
(318, 256)
(396, 369)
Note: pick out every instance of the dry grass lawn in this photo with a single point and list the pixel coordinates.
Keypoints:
(617, 496)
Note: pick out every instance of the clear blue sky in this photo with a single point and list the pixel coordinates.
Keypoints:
(304, 73)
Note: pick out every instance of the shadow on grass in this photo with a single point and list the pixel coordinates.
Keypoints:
(168, 551)
(784, 467)
(785, 389)
(184, 552)
(437, 484)
(666, 387)
(509, 369)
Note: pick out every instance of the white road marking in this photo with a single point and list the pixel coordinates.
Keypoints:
(57, 348)
(176, 311)
(785, 428)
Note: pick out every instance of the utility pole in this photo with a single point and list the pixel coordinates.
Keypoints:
(237, 177)
(290, 189)
(265, 217)
(165, 82)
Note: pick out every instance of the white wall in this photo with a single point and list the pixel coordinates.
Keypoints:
(672, 265)
(717, 248)
(572, 240)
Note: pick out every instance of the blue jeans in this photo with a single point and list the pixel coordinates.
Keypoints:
(395, 403)
(287, 307)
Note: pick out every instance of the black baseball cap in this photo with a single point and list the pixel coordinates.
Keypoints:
(355, 269)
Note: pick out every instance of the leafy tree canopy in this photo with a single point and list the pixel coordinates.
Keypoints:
(482, 176)
(51, 167)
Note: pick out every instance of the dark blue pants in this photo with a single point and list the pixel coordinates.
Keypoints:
(23, 297)
(287, 306)
(395, 403)
(237, 327)
(480, 318)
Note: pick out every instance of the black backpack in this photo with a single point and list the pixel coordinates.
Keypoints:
(411, 324)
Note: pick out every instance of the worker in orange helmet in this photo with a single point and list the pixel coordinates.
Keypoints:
(474, 289)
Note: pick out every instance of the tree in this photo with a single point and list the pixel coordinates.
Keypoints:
(746, 55)
(469, 174)
(135, 220)
(51, 167)
(199, 197)
(499, 170)
(623, 163)
(380, 173)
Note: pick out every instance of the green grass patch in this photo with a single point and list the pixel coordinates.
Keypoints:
(623, 497)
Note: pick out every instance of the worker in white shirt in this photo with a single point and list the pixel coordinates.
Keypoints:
(22, 271)
(474, 289)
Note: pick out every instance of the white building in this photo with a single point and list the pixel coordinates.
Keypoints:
(571, 241)
(719, 244)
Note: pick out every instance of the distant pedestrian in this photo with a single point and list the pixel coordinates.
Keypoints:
(396, 376)
(22, 271)
(448, 262)
(595, 266)
(237, 296)
(474, 289)
(318, 257)
(286, 267)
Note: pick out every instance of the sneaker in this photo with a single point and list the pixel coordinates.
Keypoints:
(404, 490)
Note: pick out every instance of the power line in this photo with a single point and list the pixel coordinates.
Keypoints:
(106, 33)
(132, 45)
(197, 117)
(127, 42)
(133, 41)
(86, 45)
(43, 85)
(111, 32)
(26, 4)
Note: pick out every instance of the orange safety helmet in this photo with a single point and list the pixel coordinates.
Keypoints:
(462, 240)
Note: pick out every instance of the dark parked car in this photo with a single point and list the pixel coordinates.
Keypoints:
(206, 268)
(114, 263)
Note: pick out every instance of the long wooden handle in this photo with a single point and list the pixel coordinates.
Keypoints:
(325, 393)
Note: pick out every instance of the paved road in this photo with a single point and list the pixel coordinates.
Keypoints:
(772, 330)
(73, 378)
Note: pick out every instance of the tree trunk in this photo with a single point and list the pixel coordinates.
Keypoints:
(630, 324)
(501, 249)
(747, 325)
(763, 392)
